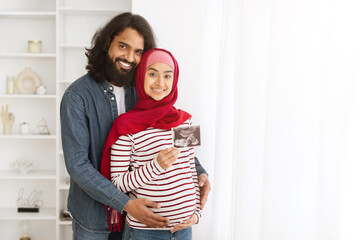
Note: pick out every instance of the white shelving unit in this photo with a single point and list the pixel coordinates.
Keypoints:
(66, 28)
(12, 214)
(45, 175)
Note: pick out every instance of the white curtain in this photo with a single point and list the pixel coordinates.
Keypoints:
(284, 77)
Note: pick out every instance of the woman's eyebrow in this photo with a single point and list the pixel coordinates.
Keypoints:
(154, 69)
(150, 68)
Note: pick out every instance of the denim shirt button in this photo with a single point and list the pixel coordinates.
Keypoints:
(112, 98)
(105, 91)
(111, 88)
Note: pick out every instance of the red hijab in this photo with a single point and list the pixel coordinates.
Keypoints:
(146, 113)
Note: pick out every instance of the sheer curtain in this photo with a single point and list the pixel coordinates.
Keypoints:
(287, 123)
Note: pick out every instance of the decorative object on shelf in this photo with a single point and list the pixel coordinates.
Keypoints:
(30, 204)
(8, 120)
(25, 237)
(27, 81)
(23, 166)
(65, 216)
(10, 84)
(34, 46)
(25, 230)
(41, 90)
(24, 128)
(41, 128)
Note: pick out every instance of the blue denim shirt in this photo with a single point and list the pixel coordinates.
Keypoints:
(87, 112)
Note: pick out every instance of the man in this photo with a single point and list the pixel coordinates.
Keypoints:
(88, 109)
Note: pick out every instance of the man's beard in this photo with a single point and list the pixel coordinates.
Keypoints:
(119, 78)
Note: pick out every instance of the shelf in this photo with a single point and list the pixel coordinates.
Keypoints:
(28, 14)
(64, 186)
(34, 96)
(14, 175)
(79, 46)
(29, 55)
(12, 214)
(65, 81)
(65, 223)
(82, 11)
(30, 136)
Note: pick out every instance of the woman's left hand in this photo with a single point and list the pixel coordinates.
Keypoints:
(186, 224)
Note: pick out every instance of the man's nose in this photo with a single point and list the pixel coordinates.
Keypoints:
(130, 56)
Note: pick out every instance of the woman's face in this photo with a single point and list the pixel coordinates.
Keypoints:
(159, 78)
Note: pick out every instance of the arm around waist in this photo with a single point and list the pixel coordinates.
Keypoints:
(76, 145)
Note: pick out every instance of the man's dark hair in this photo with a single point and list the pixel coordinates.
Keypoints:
(97, 54)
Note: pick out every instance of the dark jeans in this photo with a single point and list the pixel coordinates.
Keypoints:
(142, 234)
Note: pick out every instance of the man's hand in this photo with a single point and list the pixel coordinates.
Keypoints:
(139, 209)
(205, 188)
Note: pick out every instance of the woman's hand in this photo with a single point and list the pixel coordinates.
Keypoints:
(167, 157)
(186, 224)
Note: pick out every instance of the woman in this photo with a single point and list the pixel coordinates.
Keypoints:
(141, 140)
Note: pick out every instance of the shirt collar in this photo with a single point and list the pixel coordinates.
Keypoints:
(107, 86)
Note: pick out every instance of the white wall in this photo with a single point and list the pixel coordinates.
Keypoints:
(179, 26)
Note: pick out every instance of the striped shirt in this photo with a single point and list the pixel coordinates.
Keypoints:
(176, 189)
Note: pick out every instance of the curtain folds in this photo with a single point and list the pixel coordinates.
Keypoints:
(287, 122)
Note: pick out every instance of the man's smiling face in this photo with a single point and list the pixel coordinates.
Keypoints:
(126, 50)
